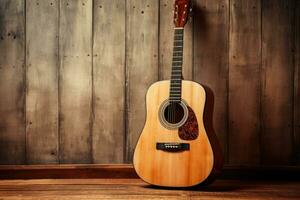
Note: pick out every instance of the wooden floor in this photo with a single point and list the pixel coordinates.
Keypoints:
(135, 189)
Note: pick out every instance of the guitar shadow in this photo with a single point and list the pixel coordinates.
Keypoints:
(224, 187)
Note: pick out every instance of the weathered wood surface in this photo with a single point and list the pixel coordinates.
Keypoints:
(141, 63)
(42, 81)
(136, 189)
(296, 143)
(277, 81)
(12, 82)
(75, 81)
(244, 85)
(211, 22)
(89, 64)
(109, 81)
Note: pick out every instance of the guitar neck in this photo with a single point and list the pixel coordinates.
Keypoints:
(176, 74)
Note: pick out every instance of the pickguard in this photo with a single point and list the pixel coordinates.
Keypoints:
(189, 130)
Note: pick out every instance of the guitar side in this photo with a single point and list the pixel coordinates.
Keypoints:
(174, 169)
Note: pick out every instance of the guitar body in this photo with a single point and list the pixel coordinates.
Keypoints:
(174, 167)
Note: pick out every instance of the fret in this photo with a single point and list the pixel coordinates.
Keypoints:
(177, 54)
(180, 42)
(176, 92)
(175, 97)
(178, 37)
(176, 72)
(177, 59)
(178, 49)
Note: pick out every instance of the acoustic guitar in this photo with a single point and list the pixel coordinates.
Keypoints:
(175, 149)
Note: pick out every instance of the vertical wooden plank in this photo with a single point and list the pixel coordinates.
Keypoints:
(42, 81)
(244, 81)
(141, 63)
(166, 34)
(109, 81)
(277, 88)
(75, 81)
(211, 27)
(12, 82)
(297, 85)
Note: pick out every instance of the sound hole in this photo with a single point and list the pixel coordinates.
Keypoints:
(174, 113)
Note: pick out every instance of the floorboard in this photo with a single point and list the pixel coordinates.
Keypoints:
(135, 189)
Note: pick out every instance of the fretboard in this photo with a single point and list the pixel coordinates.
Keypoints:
(176, 75)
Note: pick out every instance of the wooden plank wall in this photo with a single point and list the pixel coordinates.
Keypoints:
(73, 76)
(12, 82)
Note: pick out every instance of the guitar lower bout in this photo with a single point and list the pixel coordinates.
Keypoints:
(178, 154)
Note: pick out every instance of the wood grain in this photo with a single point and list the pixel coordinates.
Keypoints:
(162, 168)
(135, 189)
(42, 81)
(75, 81)
(211, 25)
(244, 84)
(141, 63)
(297, 86)
(166, 35)
(109, 81)
(12, 82)
(277, 88)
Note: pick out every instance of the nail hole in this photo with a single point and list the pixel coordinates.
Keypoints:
(51, 4)
(83, 4)
(100, 6)
(148, 6)
(142, 12)
(133, 6)
(15, 36)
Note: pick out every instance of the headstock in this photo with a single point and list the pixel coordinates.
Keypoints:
(181, 12)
